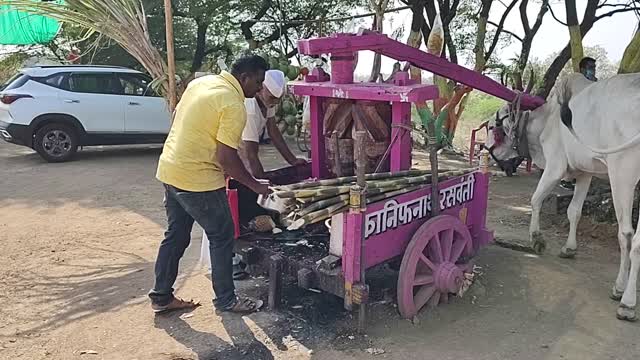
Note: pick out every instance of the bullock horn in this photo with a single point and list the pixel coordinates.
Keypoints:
(532, 80)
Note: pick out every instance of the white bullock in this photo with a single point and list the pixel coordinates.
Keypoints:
(586, 129)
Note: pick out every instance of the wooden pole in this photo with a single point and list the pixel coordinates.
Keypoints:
(171, 59)
(361, 183)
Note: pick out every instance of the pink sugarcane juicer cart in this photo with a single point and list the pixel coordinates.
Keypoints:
(435, 250)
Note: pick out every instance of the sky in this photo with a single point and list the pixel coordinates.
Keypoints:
(612, 33)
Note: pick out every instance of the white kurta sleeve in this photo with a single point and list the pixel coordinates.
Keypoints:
(253, 128)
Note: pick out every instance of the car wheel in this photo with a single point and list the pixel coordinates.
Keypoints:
(56, 142)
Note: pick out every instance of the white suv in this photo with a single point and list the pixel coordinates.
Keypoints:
(56, 109)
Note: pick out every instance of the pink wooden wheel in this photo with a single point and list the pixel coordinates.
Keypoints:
(430, 270)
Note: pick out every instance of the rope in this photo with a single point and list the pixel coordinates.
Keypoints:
(406, 128)
(519, 120)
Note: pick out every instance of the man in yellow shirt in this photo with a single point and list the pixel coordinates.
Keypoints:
(200, 148)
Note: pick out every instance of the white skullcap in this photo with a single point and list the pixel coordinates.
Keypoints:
(275, 82)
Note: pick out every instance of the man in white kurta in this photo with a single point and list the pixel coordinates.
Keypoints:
(261, 114)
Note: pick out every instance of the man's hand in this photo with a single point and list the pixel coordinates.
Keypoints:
(281, 145)
(262, 189)
(233, 166)
(251, 154)
(298, 161)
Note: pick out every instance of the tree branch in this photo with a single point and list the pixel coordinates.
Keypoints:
(224, 47)
(179, 13)
(611, 13)
(499, 29)
(524, 18)
(279, 31)
(453, 10)
(603, 5)
(245, 26)
(430, 8)
(517, 37)
(553, 15)
(543, 10)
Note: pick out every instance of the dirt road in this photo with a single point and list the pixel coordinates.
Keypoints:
(79, 240)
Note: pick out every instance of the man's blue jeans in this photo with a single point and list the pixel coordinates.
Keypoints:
(210, 210)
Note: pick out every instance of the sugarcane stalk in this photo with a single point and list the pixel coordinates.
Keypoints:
(313, 199)
(350, 179)
(318, 215)
(322, 204)
(314, 217)
(413, 180)
(303, 193)
(333, 200)
(342, 189)
(387, 195)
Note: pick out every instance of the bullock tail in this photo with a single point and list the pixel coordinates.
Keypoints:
(567, 119)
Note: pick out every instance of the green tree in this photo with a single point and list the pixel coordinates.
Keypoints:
(277, 24)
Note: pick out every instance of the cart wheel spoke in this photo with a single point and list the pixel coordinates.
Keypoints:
(436, 248)
(423, 295)
(457, 249)
(423, 279)
(447, 246)
(428, 262)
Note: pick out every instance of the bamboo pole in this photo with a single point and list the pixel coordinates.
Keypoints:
(171, 59)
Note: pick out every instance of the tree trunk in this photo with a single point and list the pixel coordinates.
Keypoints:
(479, 49)
(529, 34)
(458, 96)
(416, 33)
(378, 20)
(577, 52)
(630, 62)
(201, 42)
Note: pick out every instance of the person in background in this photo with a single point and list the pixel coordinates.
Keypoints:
(261, 115)
(200, 148)
(588, 69)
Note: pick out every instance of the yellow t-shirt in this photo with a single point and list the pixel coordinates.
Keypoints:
(210, 110)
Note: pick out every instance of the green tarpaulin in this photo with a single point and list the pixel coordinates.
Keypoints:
(22, 28)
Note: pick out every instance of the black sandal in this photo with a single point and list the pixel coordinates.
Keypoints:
(239, 273)
(245, 306)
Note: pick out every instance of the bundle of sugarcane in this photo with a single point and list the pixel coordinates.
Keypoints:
(310, 202)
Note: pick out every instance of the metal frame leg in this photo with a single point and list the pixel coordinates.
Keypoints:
(275, 281)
